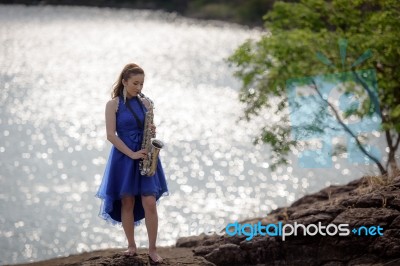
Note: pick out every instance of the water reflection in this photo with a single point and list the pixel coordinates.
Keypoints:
(57, 68)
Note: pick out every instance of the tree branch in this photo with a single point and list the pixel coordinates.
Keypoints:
(397, 143)
(347, 129)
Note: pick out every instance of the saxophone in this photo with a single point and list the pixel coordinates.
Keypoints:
(148, 165)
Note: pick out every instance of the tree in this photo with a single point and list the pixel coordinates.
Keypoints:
(297, 32)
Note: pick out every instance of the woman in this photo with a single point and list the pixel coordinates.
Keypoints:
(127, 196)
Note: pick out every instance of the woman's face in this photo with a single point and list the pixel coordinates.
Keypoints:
(134, 84)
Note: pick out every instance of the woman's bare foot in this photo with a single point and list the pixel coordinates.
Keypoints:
(131, 251)
(154, 257)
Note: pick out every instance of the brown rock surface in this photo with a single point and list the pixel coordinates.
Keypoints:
(359, 203)
(114, 257)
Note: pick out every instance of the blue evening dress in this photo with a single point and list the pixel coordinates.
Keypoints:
(122, 175)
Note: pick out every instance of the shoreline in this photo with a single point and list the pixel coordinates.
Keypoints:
(367, 201)
(171, 255)
(203, 12)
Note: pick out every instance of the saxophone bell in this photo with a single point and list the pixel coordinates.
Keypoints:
(156, 146)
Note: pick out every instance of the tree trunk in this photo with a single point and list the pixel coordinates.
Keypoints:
(392, 163)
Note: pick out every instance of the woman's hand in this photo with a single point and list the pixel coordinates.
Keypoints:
(141, 154)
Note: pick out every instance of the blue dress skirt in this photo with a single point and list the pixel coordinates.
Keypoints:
(122, 175)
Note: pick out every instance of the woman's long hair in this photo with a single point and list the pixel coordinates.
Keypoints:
(127, 72)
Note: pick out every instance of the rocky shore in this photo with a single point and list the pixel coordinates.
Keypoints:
(368, 201)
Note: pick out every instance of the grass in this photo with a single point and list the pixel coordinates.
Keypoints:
(378, 181)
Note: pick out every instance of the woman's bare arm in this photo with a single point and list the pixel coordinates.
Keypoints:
(110, 114)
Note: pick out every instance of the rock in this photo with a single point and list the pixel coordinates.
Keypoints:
(194, 241)
(348, 202)
(309, 199)
(334, 210)
(395, 223)
(388, 246)
(396, 181)
(357, 182)
(113, 257)
(203, 250)
(334, 263)
(233, 239)
(366, 217)
(394, 203)
(357, 204)
(117, 259)
(227, 254)
(324, 218)
(363, 261)
(264, 242)
(342, 248)
(370, 200)
(335, 190)
(304, 212)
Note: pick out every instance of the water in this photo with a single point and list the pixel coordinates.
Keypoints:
(57, 68)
